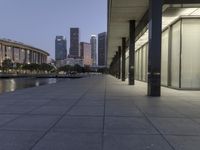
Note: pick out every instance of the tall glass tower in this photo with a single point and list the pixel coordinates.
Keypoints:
(93, 42)
(74, 42)
(60, 48)
(102, 49)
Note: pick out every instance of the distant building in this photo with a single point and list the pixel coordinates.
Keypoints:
(69, 61)
(22, 53)
(74, 42)
(102, 49)
(50, 60)
(93, 42)
(60, 48)
(72, 61)
(85, 49)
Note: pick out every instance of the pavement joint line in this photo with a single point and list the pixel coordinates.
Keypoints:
(162, 135)
(83, 116)
(104, 114)
(62, 116)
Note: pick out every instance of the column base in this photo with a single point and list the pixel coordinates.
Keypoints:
(154, 88)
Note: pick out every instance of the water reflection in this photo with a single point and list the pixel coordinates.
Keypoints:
(8, 85)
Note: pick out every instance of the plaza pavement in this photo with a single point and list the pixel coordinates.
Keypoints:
(99, 113)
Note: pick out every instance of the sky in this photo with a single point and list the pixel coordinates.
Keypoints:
(37, 22)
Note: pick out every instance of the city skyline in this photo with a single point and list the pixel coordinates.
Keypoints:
(55, 19)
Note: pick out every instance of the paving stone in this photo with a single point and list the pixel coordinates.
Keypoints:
(128, 125)
(80, 124)
(31, 123)
(6, 118)
(87, 111)
(18, 140)
(69, 141)
(50, 110)
(134, 142)
(184, 142)
(14, 109)
(178, 126)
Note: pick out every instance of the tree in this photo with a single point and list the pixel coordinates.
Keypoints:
(46, 67)
(7, 64)
(87, 69)
(18, 66)
(103, 70)
(77, 68)
(66, 68)
(31, 67)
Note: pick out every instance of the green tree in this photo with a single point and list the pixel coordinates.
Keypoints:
(7, 64)
(18, 67)
(87, 69)
(66, 68)
(78, 68)
(47, 67)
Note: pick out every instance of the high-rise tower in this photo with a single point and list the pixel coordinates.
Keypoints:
(102, 49)
(74, 42)
(60, 48)
(93, 42)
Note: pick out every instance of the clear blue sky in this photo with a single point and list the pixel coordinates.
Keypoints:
(37, 22)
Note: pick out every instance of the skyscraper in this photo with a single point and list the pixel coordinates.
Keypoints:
(60, 48)
(93, 42)
(74, 42)
(102, 49)
(85, 49)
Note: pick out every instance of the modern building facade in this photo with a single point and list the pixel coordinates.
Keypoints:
(102, 49)
(157, 42)
(85, 49)
(74, 42)
(60, 48)
(21, 53)
(93, 42)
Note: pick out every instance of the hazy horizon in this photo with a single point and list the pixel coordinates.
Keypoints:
(38, 22)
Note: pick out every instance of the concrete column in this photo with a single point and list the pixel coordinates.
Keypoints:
(119, 61)
(111, 68)
(154, 61)
(117, 64)
(131, 52)
(5, 52)
(13, 53)
(31, 56)
(123, 59)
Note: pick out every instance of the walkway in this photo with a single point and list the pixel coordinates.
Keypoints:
(99, 113)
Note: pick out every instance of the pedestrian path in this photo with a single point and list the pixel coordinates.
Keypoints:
(99, 113)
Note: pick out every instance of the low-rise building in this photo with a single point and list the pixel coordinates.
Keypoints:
(19, 52)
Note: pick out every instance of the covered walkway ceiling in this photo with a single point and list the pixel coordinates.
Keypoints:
(119, 14)
(121, 11)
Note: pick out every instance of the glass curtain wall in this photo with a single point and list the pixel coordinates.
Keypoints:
(190, 62)
(180, 63)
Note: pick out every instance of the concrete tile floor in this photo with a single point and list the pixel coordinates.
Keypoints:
(99, 113)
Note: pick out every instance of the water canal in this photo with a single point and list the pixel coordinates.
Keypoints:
(9, 85)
